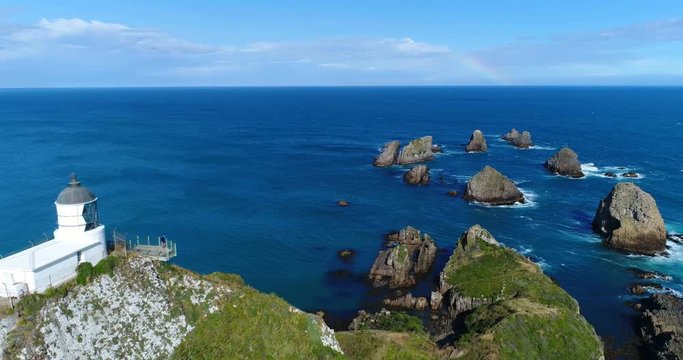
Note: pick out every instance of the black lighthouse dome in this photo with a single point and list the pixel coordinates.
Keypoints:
(75, 193)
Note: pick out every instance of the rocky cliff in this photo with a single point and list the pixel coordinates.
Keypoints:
(408, 254)
(509, 308)
(140, 309)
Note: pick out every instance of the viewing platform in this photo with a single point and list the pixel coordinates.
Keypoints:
(159, 249)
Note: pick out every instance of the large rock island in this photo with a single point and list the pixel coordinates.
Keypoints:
(630, 221)
(409, 253)
(388, 155)
(418, 150)
(565, 162)
(477, 142)
(491, 187)
(509, 309)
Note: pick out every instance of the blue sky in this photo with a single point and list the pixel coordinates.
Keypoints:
(372, 42)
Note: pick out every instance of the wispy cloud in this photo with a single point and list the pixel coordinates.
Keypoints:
(87, 52)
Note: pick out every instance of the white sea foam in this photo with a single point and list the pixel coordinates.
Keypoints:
(538, 147)
(592, 170)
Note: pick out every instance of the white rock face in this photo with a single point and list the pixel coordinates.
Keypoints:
(116, 317)
(132, 314)
(6, 325)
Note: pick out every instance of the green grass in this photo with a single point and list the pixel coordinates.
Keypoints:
(495, 272)
(396, 321)
(255, 325)
(401, 252)
(86, 272)
(374, 344)
(524, 330)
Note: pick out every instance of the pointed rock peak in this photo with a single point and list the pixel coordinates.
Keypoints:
(474, 234)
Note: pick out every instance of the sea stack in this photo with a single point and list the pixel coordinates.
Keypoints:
(521, 140)
(409, 253)
(491, 187)
(418, 150)
(565, 162)
(389, 154)
(630, 221)
(418, 175)
(516, 310)
(477, 142)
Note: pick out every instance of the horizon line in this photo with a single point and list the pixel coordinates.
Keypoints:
(340, 86)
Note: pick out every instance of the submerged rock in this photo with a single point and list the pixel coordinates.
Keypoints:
(496, 293)
(477, 142)
(418, 175)
(520, 140)
(453, 193)
(661, 326)
(346, 254)
(388, 155)
(491, 187)
(565, 162)
(630, 221)
(418, 150)
(630, 174)
(649, 275)
(436, 149)
(642, 288)
(409, 253)
(610, 174)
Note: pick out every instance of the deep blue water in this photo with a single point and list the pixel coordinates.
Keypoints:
(246, 179)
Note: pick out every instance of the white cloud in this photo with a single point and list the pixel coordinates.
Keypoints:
(91, 52)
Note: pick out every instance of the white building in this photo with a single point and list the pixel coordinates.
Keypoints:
(79, 238)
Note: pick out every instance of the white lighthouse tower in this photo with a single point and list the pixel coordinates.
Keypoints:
(79, 238)
(77, 216)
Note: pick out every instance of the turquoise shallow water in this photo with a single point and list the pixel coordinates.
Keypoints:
(246, 179)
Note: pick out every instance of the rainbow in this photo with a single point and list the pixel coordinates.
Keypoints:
(482, 68)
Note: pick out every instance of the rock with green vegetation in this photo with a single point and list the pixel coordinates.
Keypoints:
(418, 150)
(477, 142)
(396, 321)
(511, 309)
(566, 163)
(408, 253)
(378, 344)
(135, 308)
(630, 221)
(389, 154)
(491, 187)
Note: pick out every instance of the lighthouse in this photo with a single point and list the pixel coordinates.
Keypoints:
(77, 216)
(79, 237)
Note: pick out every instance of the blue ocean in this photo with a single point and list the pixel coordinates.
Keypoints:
(246, 180)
